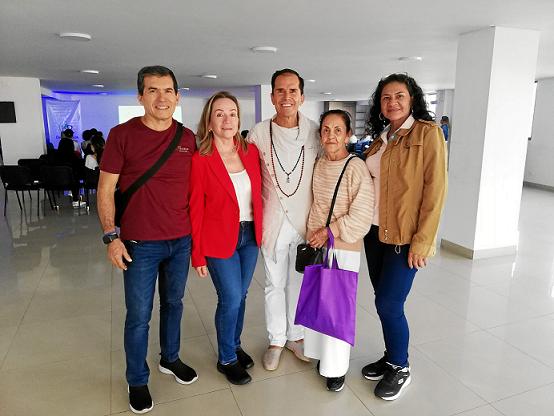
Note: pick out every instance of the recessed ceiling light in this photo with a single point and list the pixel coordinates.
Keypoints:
(184, 89)
(75, 35)
(326, 93)
(98, 85)
(310, 80)
(264, 49)
(90, 71)
(411, 58)
(209, 76)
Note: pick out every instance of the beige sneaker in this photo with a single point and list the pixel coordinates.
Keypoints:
(271, 358)
(297, 349)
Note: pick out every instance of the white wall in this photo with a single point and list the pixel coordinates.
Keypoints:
(312, 109)
(247, 113)
(540, 150)
(25, 138)
(264, 107)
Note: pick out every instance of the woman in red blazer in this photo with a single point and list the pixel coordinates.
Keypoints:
(226, 216)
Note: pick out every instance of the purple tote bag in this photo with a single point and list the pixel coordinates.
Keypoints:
(327, 301)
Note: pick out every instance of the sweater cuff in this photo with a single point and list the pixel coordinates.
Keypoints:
(424, 250)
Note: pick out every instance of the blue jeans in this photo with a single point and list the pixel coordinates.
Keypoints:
(170, 259)
(392, 281)
(231, 278)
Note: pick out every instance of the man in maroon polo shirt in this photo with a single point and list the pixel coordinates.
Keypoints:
(154, 241)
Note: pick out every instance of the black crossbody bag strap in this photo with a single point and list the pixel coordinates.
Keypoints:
(337, 191)
(126, 195)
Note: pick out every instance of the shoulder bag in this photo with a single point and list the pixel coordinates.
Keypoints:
(307, 255)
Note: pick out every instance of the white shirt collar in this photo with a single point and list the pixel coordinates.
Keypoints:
(406, 125)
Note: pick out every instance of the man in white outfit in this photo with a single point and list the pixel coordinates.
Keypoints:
(288, 145)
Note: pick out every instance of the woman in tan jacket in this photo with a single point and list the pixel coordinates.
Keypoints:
(350, 221)
(407, 161)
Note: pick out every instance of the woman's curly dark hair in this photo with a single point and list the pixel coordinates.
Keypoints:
(376, 125)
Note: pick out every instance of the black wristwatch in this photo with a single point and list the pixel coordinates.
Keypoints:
(109, 237)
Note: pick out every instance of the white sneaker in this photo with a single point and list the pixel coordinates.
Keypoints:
(297, 349)
(271, 358)
(79, 204)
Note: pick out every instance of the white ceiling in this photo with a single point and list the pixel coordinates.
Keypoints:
(346, 46)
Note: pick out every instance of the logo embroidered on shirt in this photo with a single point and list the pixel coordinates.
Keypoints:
(183, 149)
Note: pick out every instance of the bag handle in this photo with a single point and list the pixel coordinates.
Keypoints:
(331, 244)
(330, 247)
(337, 191)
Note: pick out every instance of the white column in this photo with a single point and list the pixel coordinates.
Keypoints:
(495, 72)
(262, 97)
(25, 138)
(538, 167)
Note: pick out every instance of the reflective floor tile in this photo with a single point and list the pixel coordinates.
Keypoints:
(490, 367)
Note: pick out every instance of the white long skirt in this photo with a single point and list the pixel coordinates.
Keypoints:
(333, 354)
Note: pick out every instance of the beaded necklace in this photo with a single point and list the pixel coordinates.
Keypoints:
(301, 155)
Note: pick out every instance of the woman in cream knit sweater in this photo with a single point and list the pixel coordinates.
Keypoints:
(350, 221)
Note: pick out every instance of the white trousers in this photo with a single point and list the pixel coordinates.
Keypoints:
(282, 287)
(333, 354)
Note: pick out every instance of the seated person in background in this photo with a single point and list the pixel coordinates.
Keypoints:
(351, 145)
(66, 152)
(68, 134)
(96, 148)
(66, 156)
(85, 144)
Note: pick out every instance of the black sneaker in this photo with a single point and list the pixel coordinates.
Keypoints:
(140, 400)
(335, 383)
(375, 371)
(235, 373)
(395, 379)
(183, 373)
(244, 359)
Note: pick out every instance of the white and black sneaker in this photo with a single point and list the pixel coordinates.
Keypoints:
(394, 380)
(79, 204)
(376, 370)
(183, 373)
(140, 400)
(335, 383)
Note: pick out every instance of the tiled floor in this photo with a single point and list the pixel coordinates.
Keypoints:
(482, 333)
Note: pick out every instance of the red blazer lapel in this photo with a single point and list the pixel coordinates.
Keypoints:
(220, 172)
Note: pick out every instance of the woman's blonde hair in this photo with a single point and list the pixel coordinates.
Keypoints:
(205, 135)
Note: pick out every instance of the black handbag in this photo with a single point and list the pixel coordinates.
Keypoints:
(121, 199)
(307, 255)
